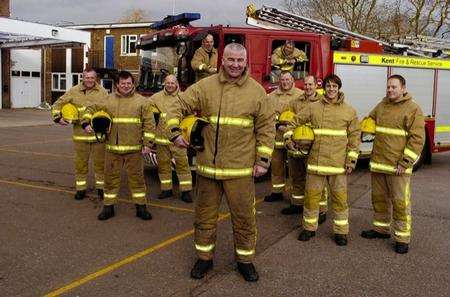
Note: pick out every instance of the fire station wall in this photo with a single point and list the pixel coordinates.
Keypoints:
(121, 62)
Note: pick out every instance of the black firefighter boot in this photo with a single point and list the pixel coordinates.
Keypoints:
(186, 196)
(372, 234)
(201, 267)
(79, 195)
(292, 209)
(401, 247)
(107, 212)
(165, 194)
(306, 235)
(248, 271)
(100, 194)
(273, 197)
(142, 212)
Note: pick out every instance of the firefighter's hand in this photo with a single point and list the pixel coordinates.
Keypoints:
(62, 122)
(291, 146)
(212, 70)
(181, 142)
(348, 170)
(146, 150)
(88, 129)
(259, 171)
(282, 128)
(292, 61)
(400, 170)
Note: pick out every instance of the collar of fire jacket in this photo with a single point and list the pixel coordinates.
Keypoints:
(340, 99)
(131, 94)
(404, 97)
(224, 78)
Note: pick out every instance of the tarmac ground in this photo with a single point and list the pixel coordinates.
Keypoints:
(53, 245)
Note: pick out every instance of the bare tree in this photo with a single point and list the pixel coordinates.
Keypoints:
(378, 18)
(134, 16)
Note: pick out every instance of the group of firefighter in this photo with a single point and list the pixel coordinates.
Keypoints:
(238, 132)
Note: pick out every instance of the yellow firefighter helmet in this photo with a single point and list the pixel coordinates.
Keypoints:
(101, 124)
(191, 129)
(69, 112)
(286, 117)
(368, 126)
(303, 137)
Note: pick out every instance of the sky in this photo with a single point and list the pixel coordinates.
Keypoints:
(68, 12)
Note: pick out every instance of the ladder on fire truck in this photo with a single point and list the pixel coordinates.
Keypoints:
(273, 18)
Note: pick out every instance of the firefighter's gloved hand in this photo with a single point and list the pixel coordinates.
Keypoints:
(88, 129)
(259, 171)
(181, 142)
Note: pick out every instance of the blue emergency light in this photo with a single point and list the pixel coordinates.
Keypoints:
(173, 20)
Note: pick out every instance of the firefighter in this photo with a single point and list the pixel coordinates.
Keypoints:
(297, 161)
(399, 139)
(166, 150)
(132, 131)
(286, 56)
(204, 61)
(332, 157)
(238, 144)
(280, 99)
(85, 146)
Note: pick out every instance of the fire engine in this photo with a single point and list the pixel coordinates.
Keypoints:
(363, 63)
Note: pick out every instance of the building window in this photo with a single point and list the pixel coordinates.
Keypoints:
(58, 82)
(76, 78)
(128, 45)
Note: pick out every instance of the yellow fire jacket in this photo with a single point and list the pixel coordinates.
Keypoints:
(163, 101)
(80, 97)
(297, 106)
(400, 134)
(280, 60)
(133, 124)
(202, 61)
(241, 132)
(280, 101)
(336, 135)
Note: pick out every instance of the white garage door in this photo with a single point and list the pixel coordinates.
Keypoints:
(25, 78)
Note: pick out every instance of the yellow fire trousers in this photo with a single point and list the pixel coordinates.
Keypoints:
(240, 195)
(84, 151)
(315, 185)
(297, 173)
(391, 197)
(164, 154)
(133, 165)
(278, 168)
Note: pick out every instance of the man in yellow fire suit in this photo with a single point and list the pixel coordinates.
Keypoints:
(280, 99)
(132, 131)
(163, 100)
(85, 145)
(285, 56)
(297, 162)
(238, 144)
(332, 157)
(204, 61)
(399, 140)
